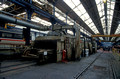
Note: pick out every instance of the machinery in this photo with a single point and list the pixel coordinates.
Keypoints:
(10, 40)
(94, 46)
(10, 43)
(89, 45)
(56, 46)
(86, 45)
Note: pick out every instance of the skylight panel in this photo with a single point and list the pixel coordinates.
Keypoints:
(111, 12)
(83, 30)
(89, 20)
(100, 13)
(112, 5)
(103, 21)
(91, 25)
(70, 23)
(108, 4)
(111, 17)
(86, 15)
(3, 6)
(108, 31)
(41, 21)
(38, 2)
(100, 7)
(21, 27)
(69, 19)
(37, 18)
(61, 18)
(98, 1)
(81, 35)
(21, 14)
(44, 32)
(70, 3)
(113, 38)
(118, 39)
(56, 14)
(34, 20)
(76, 2)
(82, 17)
(108, 11)
(38, 31)
(77, 11)
(80, 11)
(118, 30)
(100, 38)
(94, 29)
(70, 32)
(34, 30)
(60, 15)
(103, 18)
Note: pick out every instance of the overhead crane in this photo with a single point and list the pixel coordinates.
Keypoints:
(113, 35)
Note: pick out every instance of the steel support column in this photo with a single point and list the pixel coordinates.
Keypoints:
(84, 47)
(106, 22)
(29, 14)
(52, 19)
(74, 29)
(66, 22)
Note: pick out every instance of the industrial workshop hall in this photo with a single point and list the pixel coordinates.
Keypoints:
(59, 39)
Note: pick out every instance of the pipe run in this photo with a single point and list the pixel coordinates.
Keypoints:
(9, 19)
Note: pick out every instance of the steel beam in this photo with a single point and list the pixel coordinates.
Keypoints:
(36, 10)
(40, 12)
(106, 21)
(115, 20)
(29, 15)
(114, 35)
(91, 8)
(72, 14)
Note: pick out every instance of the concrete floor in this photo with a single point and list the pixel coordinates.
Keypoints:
(98, 70)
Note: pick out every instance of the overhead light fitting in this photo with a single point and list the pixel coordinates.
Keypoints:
(104, 1)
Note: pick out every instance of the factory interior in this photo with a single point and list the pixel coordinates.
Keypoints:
(59, 39)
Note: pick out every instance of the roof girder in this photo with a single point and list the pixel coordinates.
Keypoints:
(65, 9)
(92, 10)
